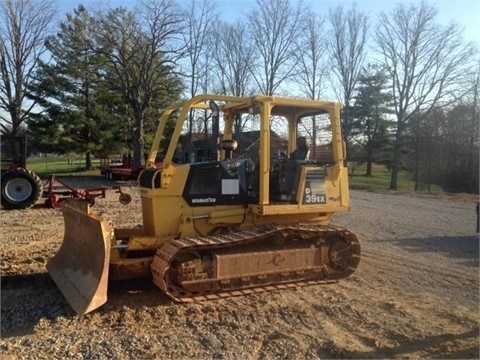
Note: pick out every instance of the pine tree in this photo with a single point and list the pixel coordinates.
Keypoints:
(78, 109)
(372, 105)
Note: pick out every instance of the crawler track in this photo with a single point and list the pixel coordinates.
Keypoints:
(255, 260)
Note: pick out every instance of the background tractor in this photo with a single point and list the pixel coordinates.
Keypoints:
(20, 188)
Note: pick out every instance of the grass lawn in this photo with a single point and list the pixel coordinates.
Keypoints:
(45, 166)
(380, 179)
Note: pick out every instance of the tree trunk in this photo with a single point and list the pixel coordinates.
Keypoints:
(395, 164)
(138, 141)
(417, 169)
(88, 160)
(346, 134)
(369, 163)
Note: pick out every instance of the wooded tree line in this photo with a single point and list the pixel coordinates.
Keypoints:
(97, 83)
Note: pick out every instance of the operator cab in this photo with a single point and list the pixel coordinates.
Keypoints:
(227, 166)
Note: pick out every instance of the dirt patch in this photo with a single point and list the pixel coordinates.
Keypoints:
(415, 295)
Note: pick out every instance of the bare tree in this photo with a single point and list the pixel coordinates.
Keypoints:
(312, 60)
(472, 98)
(232, 57)
(461, 172)
(348, 49)
(426, 62)
(198, 29)
(466, 114)
(274, 29)
(312, 66)
(24, 25)
(196, 38)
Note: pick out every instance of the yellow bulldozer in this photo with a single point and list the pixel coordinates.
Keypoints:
(239, 223)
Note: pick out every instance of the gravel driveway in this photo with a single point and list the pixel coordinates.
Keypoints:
(415, 295)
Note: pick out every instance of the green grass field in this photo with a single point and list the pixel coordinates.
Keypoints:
(45, 166)
(380, 179)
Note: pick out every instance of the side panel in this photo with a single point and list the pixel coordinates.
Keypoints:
(163, 206)
(216, 183)
(314, 189)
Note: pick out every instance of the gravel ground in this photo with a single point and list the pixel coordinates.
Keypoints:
(415, 295)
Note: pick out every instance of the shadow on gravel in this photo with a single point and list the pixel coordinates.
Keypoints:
(134, 294)
(26, 299)
(462, 247)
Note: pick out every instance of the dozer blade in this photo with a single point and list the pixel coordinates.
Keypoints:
(80, 268)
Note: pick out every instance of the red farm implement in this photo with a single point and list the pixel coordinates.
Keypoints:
(58, 191)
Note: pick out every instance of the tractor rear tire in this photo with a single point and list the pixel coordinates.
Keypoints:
(21, 189)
